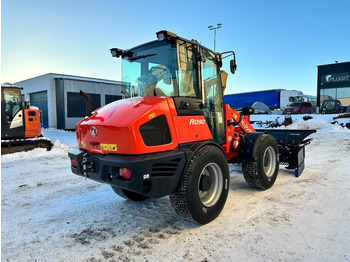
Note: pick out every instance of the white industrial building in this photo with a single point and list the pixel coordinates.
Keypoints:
(58, 98)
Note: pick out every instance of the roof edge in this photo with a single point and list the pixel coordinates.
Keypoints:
(72, 77)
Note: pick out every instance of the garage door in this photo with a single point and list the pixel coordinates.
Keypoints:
(39, 99)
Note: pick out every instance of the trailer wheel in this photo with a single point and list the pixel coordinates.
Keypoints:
(262, 172)
(203, 189)
(130, 195)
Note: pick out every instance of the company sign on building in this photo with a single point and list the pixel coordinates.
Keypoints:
(335, 78)
(333, 83)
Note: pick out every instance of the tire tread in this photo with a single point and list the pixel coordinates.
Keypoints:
(250, 169)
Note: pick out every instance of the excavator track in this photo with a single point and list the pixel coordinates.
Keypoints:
(20, 145)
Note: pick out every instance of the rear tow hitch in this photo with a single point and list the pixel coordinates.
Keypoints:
(88, 165)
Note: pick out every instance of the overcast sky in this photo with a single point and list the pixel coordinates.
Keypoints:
(278, 43)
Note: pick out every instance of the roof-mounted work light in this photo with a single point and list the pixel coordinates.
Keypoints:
(116, 52)
(165, 35)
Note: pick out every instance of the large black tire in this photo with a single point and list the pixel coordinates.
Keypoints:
(203, 189)
(127, 194)
(262, 172)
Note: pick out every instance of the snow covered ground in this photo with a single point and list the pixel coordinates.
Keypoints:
(50, 214)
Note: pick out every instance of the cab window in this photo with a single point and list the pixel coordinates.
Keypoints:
(12, 101)
(187, 70)
(212, 96)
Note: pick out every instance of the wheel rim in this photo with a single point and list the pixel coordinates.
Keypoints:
(211, 196)
(269, 161)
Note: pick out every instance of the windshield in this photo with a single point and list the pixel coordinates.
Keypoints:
(161, 69)
(294, 105)
(12, 102)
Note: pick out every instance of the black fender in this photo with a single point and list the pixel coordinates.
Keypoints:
(248, 146)
(192, 148)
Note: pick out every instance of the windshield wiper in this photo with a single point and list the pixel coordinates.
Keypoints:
(139, 57)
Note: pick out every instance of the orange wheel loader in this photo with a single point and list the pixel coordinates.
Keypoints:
(173, 135)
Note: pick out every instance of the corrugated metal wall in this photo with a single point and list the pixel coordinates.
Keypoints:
(90, 87)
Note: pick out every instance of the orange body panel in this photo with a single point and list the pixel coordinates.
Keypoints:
(191, 129)
(118, 125)
(32, 123)
(115, 127)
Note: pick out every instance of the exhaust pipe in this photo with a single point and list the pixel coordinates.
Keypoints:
(88, 102)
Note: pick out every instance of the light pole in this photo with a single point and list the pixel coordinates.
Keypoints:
(214, 28)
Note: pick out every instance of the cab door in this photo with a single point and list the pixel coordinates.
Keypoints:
(212, 96)
(188, 97)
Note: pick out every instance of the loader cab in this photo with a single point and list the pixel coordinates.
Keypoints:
(184, 70)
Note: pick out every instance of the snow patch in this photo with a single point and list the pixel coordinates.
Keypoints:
(50, 214)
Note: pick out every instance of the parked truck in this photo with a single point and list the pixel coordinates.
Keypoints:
(274, 99)
(175, 136)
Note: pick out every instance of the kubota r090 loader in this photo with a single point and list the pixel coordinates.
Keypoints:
(174, 136)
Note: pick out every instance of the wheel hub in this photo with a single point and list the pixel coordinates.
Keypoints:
(210, 184)
(269, 161)
(205, 183)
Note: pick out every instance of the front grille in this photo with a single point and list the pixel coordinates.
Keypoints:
(167, 168)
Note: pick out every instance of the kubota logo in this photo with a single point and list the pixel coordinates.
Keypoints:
(93, 131)
(197, 122)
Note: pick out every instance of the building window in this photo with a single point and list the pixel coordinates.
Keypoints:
(76, 104)
(341, 93)
(111, 98)
(328, 94)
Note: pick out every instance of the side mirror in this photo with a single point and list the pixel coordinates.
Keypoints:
(233, 66)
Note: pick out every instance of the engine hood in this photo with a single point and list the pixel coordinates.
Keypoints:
(115, 128)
